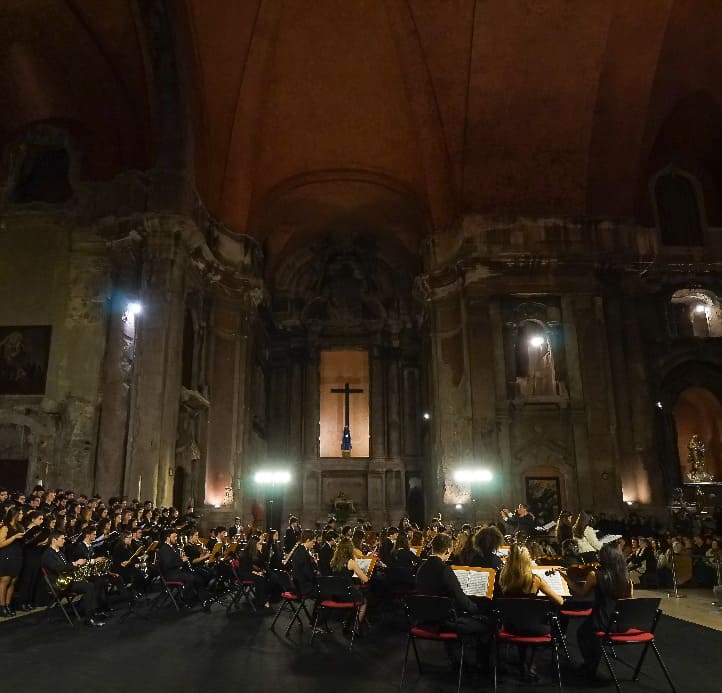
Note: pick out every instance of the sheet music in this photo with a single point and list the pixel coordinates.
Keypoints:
(555, 580)
(364, 563)
(474, 583)
(502, 551)
(607, 538)
(546, 527)
(414, 550)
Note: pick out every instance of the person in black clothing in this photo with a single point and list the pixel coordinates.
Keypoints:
(293, 533)
(174, 565)
(402, 556)
(435, 577)
(55, 564)
(486, 543)
(302, 565)
(271, 552)
(251, 566)
(325, 553)
(607, 583)
(387, 545)
(525, 522)
(130, 573)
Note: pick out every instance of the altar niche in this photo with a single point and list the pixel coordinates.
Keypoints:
(338, 369)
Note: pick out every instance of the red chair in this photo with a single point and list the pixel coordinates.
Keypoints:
(518, 619)
(290, 599)
(170, 592)
(429, 619)
(633, 623)
(335, 593)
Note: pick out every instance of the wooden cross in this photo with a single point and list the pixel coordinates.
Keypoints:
(346, 437)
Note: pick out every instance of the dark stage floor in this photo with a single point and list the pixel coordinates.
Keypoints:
(197, 651)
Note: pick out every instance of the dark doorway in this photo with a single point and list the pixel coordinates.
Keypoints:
(178, 485)
(13, 475)
(415, 503)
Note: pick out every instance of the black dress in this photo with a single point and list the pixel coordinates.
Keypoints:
(11, 557)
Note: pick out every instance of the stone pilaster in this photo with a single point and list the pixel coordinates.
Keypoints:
(157, 369)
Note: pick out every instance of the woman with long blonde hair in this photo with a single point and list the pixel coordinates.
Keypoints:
(517, 579)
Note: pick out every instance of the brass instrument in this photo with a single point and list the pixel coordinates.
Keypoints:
(83, 573)
(139, 550)
(287, 559)
(214, 552)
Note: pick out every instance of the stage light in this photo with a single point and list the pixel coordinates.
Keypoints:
(536, 341)
(660, 405)
(700, 308)
(134, 308)
(272, 476)
(458, 506)
(471, 475)
(426, 416)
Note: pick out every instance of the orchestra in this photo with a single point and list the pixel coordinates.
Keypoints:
(117, 551)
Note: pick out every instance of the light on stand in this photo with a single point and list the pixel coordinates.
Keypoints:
(470, 475)
(272, 478)
(536, 341)
(134, 308)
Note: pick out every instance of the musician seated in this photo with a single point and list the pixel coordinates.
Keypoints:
(357, 538)
(435, 577)
(83, 549)
(128, 570)
(326, 551)
(56, 565)
(586, 537)
(174, 565)
(518, 580)
(344, 564)
(251, 567)
(607, 583)
(302, 565)
(387, 545)
(402, 556)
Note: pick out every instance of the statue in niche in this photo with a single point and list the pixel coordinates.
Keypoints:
(695, 460)
(536, 372)
(343, 506)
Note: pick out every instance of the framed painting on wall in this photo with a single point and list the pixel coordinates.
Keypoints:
(543, 498)
(24, 352)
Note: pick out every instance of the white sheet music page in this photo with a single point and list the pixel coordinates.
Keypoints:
(364, 564)
(478, 583)
(555, 580)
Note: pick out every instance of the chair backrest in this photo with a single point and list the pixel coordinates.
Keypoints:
(523, 614)
(641, 613)
(283, 580)
(335, 587)
(429, 609)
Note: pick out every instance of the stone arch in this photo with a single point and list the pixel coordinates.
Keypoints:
(688, 374)
(695, 312)
(698, 411)
(678, 207)
(34, 442)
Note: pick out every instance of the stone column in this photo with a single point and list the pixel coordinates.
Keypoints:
(118, 368)
(378, 409)
(230, 381)
(576, 396)
(157, 371)
(450, 387)
(311, 404)
(394, 405)
(501, 415)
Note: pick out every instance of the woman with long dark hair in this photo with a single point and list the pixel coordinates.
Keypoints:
(11, 557)
(607, 583)
(251, 566)
(586, 537)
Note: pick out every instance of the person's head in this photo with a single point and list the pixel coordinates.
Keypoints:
(441, 546)
(342, 555)
(57, 539)
(392, 533)
(402, 541)
(126, 538)
(292, 521)
(522, 510)
(13, 517)
(308, 538)
(330, 536)
(346, 531)
(488, 540)
(357, 538)
(504, 512)
(516, 575)
(171, 537)
(612, 575)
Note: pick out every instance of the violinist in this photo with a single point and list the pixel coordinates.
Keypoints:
(607, 583)
(387, 545)
(344, 564)
(564, 530)
(586, 537)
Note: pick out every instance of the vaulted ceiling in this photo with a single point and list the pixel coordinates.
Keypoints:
(395, 115)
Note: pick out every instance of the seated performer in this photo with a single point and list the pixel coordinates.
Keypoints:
(55, 564)
(292, 536)
(607, 583)
(517, 580)
(251, 567)
(435, 577)
(174, 565)
(325, 553)
(129, 571)
(402, 556)
(387, 545)
(303, 566)
(343, 563)
(586, 538)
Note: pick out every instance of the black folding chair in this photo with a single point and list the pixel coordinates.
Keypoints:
(335, 593)
(291, 599)
(170, 592)
(56, 599)
(523, 621)
(240, 589)
(633, 623)
(430, 619)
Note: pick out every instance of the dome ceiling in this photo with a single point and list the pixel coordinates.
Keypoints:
(394, 114)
